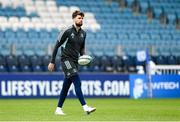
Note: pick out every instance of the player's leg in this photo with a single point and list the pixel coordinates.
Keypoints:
(77, 83)
(66, 67)
(66, 85)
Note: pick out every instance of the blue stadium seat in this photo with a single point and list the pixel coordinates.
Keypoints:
(12, 63)
(9, 33)
(20, 33)
(161, 60)
(144, 36)
(178, 60)
(95, 65)
(133, 36)
(5, 48)
(106, 64)
(171, 18)
(20, 12)
(84, 68)
(132, 64)
(54, 34)
(2, 35)
(33, 34)
(40, 49)
(155, 36)
(45, 62)
(157, 12)
(2, 64)
(171, 60)
(24, 63)
(117, 63)
(58, 63)
(29, 48)
(111, 36)
(44, 34)
(144, 6)
(36, 63)
(166, 36)
(19, 49)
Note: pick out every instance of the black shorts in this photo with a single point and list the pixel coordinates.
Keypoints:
(69, 67)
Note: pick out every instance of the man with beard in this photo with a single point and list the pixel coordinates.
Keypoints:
(74, 39)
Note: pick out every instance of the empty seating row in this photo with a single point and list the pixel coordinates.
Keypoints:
(35, 63)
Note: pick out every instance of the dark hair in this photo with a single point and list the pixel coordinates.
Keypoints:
(77, 12)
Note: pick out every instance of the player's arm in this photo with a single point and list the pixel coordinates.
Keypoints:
(82, 51)
(61, 39)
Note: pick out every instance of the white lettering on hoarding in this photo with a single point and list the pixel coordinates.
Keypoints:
(116, 88)
(164, 85)
(34, 88)
(124, 88)
(42, 88)
(91, 87)
(97, 88)
(4, 92)
(27, 88)
(107, 88)
(53, 88)
(30, 88)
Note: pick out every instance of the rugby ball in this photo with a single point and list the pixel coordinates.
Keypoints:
(84, 60)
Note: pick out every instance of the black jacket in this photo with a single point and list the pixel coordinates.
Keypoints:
(74, 44)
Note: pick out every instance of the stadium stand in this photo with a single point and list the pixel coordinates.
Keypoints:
(116, 30)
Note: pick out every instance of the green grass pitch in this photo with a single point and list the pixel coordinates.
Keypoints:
(107, 110)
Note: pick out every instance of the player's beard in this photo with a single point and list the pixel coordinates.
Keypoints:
(78, 24)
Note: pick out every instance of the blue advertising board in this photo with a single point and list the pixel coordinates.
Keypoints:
(50, 85)
(163, 86)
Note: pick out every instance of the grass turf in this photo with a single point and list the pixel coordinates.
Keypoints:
(107, 110)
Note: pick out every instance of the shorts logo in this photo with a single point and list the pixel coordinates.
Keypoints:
(68, 74)
(68, 65)
(74, 70)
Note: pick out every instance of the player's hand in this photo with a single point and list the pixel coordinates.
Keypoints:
(51, 67)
